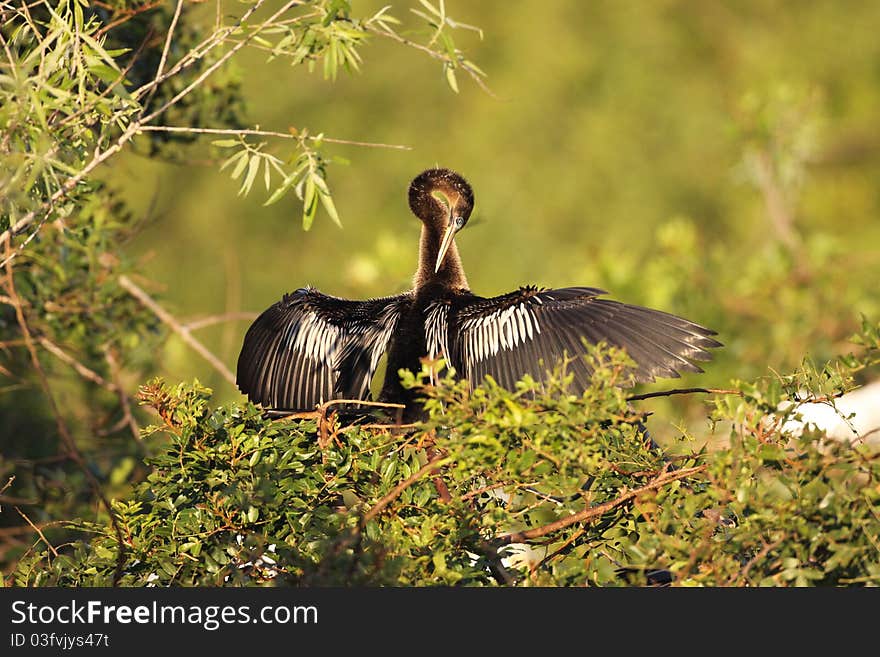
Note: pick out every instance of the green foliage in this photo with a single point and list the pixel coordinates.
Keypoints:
(753, 158)
(531, 487)
(80, 83)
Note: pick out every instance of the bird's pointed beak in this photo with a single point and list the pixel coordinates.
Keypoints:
(448, 236)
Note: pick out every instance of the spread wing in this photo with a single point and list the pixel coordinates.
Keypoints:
(310, 347)
(528, 331)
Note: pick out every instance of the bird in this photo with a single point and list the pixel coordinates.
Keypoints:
(310, 347)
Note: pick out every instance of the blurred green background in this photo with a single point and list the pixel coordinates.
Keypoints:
(634, 146)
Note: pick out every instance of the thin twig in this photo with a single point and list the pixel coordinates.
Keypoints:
(127, 415)
(81, 369)
(220, 61)
(165, 49)
(267, 133)
(181, 330)
(755, 559)
(39, 532)
(198, 52)
(475, 76)
(778, 208)
(127, 15)
(218, 319)
(408, 425)
(684, 391)
(365, 402)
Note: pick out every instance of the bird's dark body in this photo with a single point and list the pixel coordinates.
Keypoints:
(310, 347)
(406, 348)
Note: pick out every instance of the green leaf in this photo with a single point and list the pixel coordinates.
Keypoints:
(329, 206)
(310, 203)
(253, 169)
(450, 78)
(278, 193)
(431, 8)
(233, 159)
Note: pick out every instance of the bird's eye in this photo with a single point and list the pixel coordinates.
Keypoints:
(459, 221)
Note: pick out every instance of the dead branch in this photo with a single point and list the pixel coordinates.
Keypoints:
(202, 322)
(127, 415)
(80, 369)
(594, 512)
(684, 391)
(181, 330)
(39, 532)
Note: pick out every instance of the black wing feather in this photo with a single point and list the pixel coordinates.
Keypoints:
(309, 348)
(528, 331)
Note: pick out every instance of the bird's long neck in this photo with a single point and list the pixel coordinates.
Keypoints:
(451, 272)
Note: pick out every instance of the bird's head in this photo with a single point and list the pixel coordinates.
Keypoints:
(443, 201)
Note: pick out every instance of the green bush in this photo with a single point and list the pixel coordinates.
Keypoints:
(532, 487)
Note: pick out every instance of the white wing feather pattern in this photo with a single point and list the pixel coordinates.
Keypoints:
(310, 347)
(528, 331)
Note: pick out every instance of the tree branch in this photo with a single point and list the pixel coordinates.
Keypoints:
(266, 133)
(683, 391)
(377, 508)
(133, 128)
(167, 318)
(596, 511)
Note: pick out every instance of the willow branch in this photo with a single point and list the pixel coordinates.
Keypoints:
(166, 48)
(68, 185)
(222, 60)
(475, 75)
(267, 133)
(127, 415)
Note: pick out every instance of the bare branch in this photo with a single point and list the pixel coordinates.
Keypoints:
(222, 60)
(196, 324)
(181, 330)
(474, 74)
(39, 532)
(596, 511)
(81, 369)
(165, 49)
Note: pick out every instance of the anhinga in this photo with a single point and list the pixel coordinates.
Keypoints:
(309, 347)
